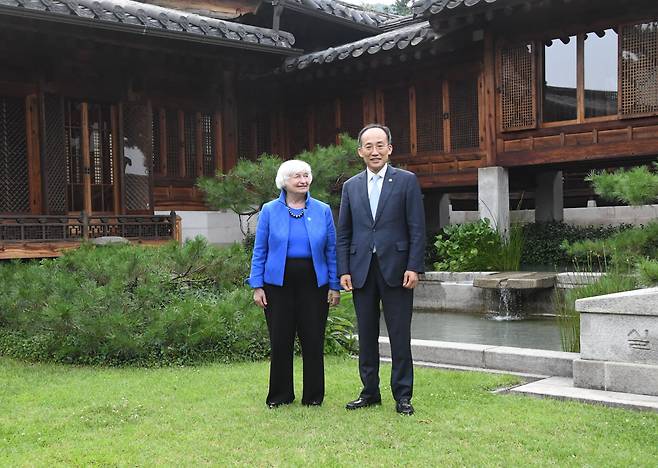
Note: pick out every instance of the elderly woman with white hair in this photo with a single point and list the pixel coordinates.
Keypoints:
(293, 273)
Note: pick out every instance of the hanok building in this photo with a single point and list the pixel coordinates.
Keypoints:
(110, 110)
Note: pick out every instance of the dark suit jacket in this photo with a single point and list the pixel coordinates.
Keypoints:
(398, 229)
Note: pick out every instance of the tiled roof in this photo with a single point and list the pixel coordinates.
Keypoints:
(128, 14)
(347, 12)
(426, 7)
(399, 38)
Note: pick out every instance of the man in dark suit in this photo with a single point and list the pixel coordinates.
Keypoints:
(380, 246)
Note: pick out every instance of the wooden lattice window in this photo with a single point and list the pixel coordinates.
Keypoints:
(464, 116)
(254, 134)
(351, 114)
(173, 139)
(137, 156)
(429, 116)
(14, 185)
(325, 123)
(639, 69)
(102, 156)
(517, 81)
(208, 144)
(54, 162)
(396, 117)
(185, 144)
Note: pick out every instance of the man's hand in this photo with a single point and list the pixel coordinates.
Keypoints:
(346, 282)
(333, 298)
(259, 298)
(410, 279)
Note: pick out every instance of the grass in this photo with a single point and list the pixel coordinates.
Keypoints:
(54, 415)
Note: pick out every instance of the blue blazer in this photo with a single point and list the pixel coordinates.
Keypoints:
(398, 230)
(268, 262)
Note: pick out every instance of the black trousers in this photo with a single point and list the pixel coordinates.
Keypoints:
(298, 307)
(397, 303)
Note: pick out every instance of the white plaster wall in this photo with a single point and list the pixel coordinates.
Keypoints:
(604, 215)
(219, 227)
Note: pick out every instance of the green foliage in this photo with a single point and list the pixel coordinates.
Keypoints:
(543, 242)
(511, 249)
(250, 184)
(467, 247)
(340, 336)
(122, 304)
(565, 302)
(636, 186)
(625, 250)
(245, 188)
(647, 270)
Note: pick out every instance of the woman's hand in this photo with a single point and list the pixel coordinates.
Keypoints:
(333, 298)
(259, 298)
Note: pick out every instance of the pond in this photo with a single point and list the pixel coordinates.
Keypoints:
(535, 331)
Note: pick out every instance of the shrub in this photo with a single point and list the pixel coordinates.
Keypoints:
(467, 247)
(118, 305)
(544, 242)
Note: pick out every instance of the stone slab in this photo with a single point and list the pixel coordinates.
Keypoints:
(109, 240)
(563, 388)
(637, 302)
(619, 338)
(536, 362)
(532, 361)
(439, 295)
(616, 376)
(516, 280)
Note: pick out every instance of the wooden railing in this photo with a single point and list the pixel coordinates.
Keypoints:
(30, 228)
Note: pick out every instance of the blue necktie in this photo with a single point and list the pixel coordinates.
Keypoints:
(374, 195)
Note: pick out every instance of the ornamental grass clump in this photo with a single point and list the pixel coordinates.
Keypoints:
(131, 305)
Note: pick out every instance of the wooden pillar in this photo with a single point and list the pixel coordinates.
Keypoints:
(33, 154)
(490, 127)
(86, 159)
(230, 120)
(116, 117)
(413, 137)
(199, 145)
(219, 148)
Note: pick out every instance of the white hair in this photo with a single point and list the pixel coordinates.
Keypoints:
(290, 168)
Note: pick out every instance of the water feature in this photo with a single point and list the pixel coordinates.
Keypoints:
(534, 331)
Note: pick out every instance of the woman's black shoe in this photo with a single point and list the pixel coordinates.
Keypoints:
(276, 405)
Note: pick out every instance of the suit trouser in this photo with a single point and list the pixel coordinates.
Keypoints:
(397, 303)
(298, 307)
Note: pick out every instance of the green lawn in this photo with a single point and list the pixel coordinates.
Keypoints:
(216, 415)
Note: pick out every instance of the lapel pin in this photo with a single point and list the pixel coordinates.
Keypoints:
(390, 180)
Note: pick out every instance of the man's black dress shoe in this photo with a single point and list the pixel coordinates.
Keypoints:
(363, 403)
(276, 405)
(312, 403)
(404, 407)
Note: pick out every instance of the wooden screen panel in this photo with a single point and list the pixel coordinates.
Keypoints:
(325, 123)
(208, 144)
(14, 181)
(639, 69)
(137, 153)
(173, 143)
(351, 114)
(464, 115)
(156, 133)
(54, 161)
(263, 134)
(190, 139)
(102, 157)
(396, 116)
(517, 81)
(298, 130)
(246, 143)
(429, 116)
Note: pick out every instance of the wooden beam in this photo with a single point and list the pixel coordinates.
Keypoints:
(182, 153)
(229, 113)
(219, 147)
(116, 120)
(86, 158)
(445, 93)
(337, 120)
(199, 144)
(162, 115)
(413, 136)
(33, 153)
(489, 102)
